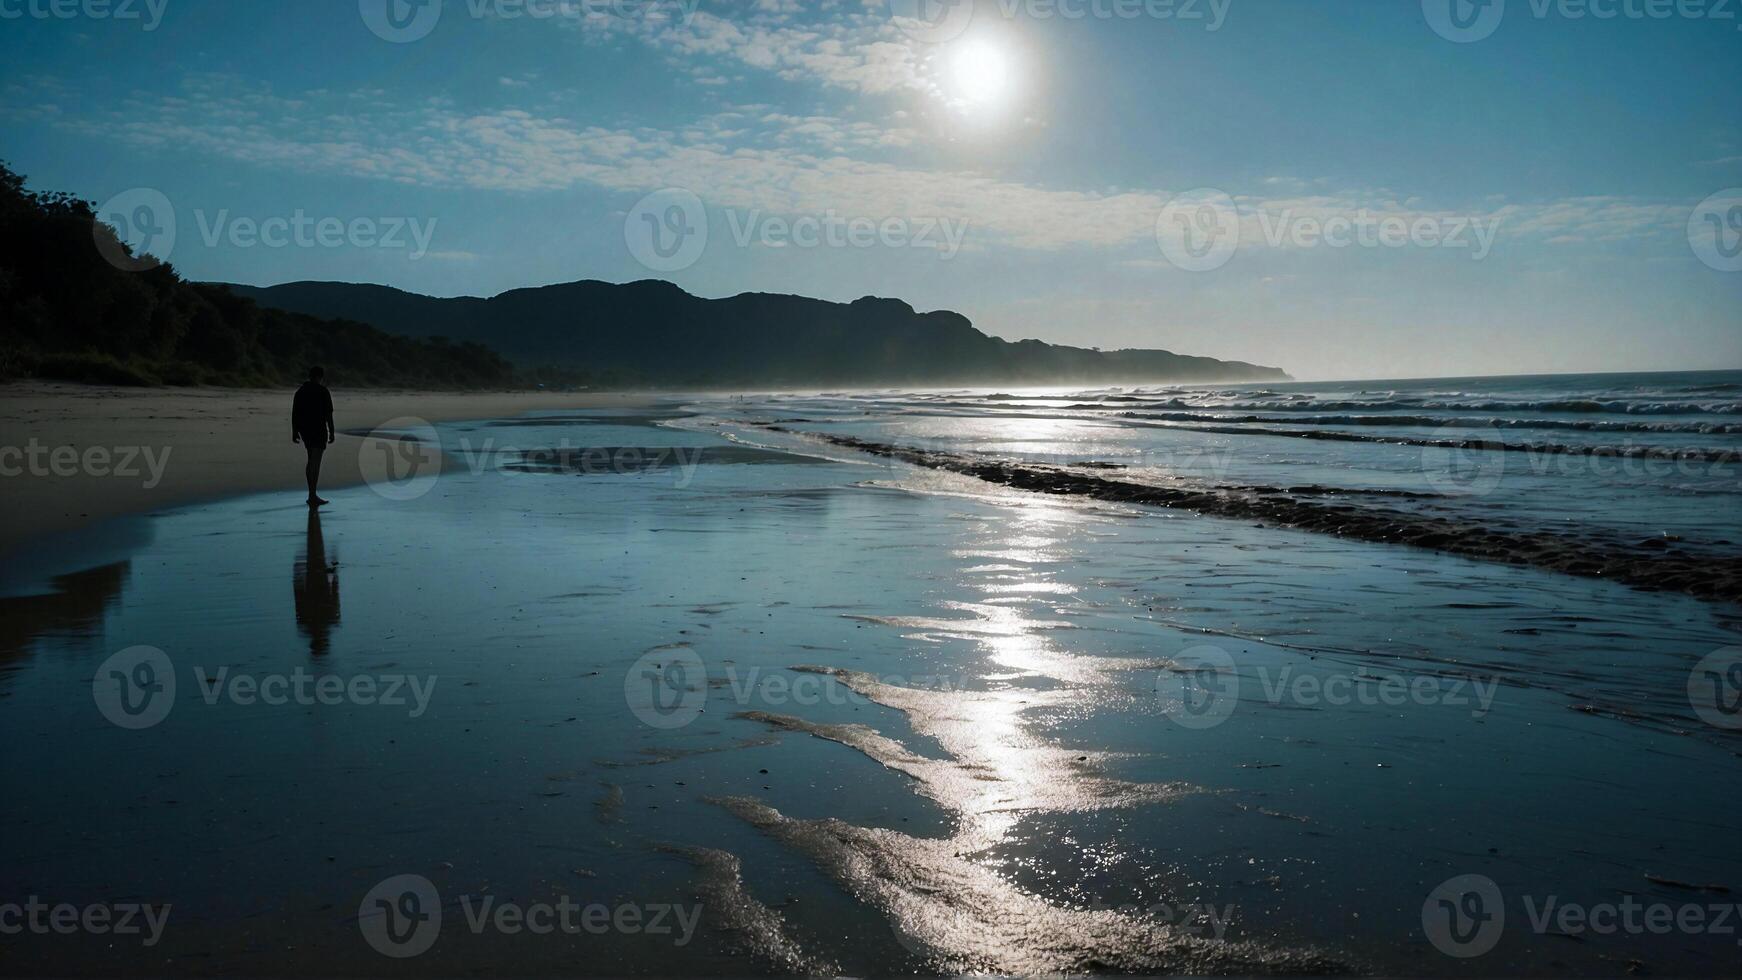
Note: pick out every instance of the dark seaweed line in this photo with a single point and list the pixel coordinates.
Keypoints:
(1667, 570)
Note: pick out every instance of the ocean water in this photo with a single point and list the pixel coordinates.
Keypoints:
(717, 662)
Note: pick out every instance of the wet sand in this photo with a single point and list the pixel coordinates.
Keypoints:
(162, 447)
(936, 725)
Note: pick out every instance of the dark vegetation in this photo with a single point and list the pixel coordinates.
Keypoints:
(68, 312)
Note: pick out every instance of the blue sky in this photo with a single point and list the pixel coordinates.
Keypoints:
(1534, 187)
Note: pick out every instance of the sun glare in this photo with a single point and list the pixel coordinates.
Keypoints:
(979, 73)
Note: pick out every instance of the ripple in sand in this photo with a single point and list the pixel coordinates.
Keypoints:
(758, 929)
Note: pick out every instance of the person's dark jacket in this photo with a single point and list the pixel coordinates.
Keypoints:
(310, 412)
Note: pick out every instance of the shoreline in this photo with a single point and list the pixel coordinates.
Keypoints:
(75, 455)
(1655, 566)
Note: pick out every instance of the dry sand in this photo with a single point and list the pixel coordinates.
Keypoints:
(190, 444)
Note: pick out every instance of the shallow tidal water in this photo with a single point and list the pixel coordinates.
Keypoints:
(845, 715)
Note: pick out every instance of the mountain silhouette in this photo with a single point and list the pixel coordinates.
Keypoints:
(652, 332)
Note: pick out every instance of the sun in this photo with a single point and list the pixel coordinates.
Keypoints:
(979, 73)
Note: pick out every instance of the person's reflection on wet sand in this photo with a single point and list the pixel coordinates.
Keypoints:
(315, 580)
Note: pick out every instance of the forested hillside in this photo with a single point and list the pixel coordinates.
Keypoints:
(69, 313)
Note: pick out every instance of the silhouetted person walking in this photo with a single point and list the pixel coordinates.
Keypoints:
(311, 423)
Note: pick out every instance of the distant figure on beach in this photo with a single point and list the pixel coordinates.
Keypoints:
(311, 423)
(315, 587)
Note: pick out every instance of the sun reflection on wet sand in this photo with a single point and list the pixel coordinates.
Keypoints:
(966, 918)
(941, 896)
(998, 770)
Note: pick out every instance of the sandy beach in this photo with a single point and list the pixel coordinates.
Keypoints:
(879, 683)
(85, 453)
